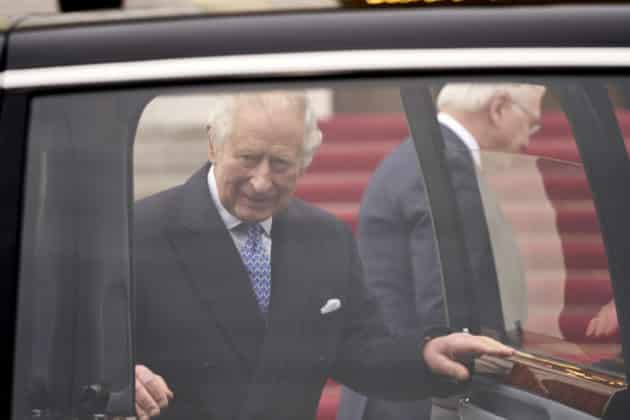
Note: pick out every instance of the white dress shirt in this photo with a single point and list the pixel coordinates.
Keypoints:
(463, 134)
(233, 223)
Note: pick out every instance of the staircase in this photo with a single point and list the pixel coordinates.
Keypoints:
(354, 144)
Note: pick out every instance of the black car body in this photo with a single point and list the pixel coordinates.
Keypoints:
(72, 92)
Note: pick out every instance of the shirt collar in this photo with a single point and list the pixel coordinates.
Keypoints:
(464, 135)
(228, 218)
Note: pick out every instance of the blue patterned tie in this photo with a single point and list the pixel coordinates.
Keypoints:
(258, 265)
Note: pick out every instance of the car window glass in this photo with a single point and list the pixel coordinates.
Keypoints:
(74, 338)
(542, 281)
(74, 350)
(541, 270)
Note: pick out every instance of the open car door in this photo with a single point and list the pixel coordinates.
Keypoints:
(556, 220)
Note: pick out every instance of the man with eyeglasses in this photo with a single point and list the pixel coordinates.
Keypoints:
(534, 123)
(482, 125)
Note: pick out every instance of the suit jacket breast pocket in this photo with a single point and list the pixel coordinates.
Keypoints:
(322, 333)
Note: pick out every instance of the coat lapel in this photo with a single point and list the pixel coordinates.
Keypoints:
(286, 349)
(214, 267)
(291, 287)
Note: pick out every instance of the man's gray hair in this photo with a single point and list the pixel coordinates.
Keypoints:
(474, 96)
(221, 119)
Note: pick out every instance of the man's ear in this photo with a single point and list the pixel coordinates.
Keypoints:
(303, 166)
(497, 107)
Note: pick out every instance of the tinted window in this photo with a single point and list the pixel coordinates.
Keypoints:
(74, 323)
(531, 230)
(101, 210)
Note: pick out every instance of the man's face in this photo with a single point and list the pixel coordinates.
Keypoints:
(520, 119)
(258, 166)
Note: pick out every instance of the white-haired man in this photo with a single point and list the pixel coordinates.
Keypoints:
(247, 299)
(396, 238)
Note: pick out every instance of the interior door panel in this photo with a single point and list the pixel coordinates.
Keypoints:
(500, 401)
(490, 401)
(472, 412)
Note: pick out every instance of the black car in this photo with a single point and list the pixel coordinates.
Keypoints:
(98, 110)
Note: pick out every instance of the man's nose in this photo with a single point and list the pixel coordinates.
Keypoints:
(261, 178)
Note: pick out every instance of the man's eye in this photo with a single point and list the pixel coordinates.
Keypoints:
(249, 158)
(280, 164)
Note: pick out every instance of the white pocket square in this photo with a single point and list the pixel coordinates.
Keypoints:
(331, 306)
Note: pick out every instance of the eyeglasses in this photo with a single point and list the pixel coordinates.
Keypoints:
(534, 121)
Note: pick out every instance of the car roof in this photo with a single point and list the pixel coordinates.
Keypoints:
(229, 7)
(199, 35)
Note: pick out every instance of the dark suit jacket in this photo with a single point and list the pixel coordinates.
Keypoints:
(399, 252)
(198, 324)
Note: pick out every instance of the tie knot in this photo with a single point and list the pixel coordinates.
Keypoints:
(254, 231)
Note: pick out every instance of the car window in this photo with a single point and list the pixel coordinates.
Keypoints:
(136, 252)
(85, 253)
(74, 321)
(539, 272)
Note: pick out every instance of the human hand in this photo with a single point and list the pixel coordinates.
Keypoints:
(605, 322)
(152, 393)
(443, 354)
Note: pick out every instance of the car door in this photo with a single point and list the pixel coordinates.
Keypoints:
(563, 367)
